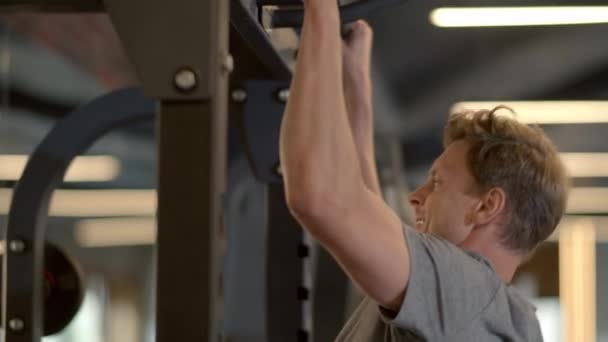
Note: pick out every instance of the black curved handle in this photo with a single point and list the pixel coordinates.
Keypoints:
(26, 225)
(291, 17)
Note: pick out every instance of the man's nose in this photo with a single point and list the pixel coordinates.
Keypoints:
(416, 198)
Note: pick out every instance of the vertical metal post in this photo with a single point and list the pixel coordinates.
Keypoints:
(288, 277)
(286, 293)
(192, 162)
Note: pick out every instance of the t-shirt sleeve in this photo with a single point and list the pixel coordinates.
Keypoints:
(448, 288)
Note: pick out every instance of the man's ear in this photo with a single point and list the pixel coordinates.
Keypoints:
(491, 205)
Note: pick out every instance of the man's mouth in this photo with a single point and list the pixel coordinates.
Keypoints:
(420, 225)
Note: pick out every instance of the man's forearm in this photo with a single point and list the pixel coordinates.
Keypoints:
(358, 96)
(364, 140)
(317, 148)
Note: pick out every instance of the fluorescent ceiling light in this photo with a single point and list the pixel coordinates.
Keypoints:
(82, 169)
(586, 164)
(547, 112)
(116, 232)
(518, 16)
(79, 203)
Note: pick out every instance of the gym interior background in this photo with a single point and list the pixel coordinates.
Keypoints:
(104, 214)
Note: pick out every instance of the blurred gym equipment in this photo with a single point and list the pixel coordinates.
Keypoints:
(62, 289)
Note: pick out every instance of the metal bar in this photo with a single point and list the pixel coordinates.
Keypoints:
(261, 137)
(259, 75)
(192, 163)
(245, 23)
(279, 2)
(329, 300)
(52, 5)
(174, 45)
(288, 280)
(285, 257)
(190, 232)
(26, 227)
(348, 13)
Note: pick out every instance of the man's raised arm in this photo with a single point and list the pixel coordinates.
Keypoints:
(324, 184)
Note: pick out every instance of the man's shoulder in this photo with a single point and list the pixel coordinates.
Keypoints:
(444, 253)
(519, 300)
(511, 312)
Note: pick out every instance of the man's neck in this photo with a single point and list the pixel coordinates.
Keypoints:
(504, 261)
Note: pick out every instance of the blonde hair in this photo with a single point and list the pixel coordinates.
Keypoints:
(521, 160)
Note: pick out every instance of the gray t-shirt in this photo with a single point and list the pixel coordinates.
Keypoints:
(452, 295)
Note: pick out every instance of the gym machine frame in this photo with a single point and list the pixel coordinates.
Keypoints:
(188, 78)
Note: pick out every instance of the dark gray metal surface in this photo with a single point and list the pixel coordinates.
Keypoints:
(22, 282)
(192, 163)
(288, 314)
(331, 287)
(290, 17)
(52, 5)
(245, 262)
(190, 243)
(261, 136)
(259, 74)
(243, 19)
(188, 35)
(162, 37)
(285, 292)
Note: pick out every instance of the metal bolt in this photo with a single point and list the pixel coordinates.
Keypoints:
(303, 293)
(16, 246)
(239, 95)
(303, 251)
(185, 79)
(16, 324)
(283, 95)
(228, 64)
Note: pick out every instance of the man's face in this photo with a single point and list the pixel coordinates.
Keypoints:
(444, 204)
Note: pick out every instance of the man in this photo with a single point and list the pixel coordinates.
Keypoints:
(496, 192)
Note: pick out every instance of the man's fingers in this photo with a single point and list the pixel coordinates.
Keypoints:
(362, 28)
(346, 31)
(359, 31)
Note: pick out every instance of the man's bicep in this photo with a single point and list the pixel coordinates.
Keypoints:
(367, 240)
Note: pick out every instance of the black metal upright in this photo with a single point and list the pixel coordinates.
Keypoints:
(180, 52)
(190, 237)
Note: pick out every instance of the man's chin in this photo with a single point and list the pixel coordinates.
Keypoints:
(421, 228)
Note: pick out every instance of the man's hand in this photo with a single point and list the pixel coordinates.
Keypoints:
(356, 60)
